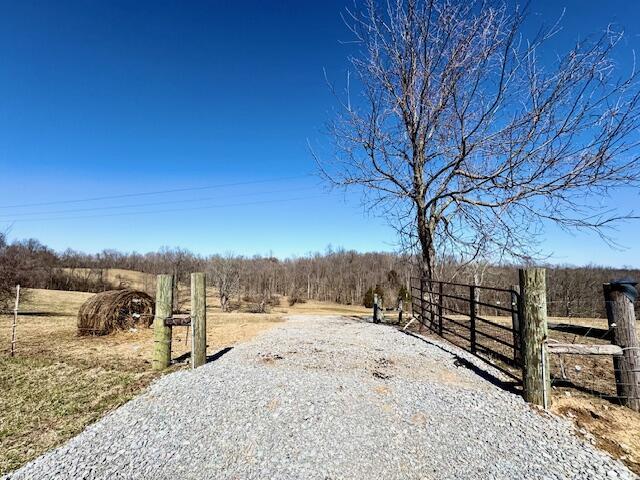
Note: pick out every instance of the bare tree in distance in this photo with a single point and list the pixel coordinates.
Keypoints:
(225, 275)
(472, 138)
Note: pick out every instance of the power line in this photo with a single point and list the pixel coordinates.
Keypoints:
(152, 204)
(205, 207)
(156, 192)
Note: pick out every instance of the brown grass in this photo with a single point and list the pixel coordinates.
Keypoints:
(60, 382)
(117, 277)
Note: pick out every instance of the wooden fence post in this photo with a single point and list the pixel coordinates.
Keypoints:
(622, 320)
(198, 319)
(515, 323)
(375, 308)
(14, 327)
(473, 298)
(533, 321)
(162, 332)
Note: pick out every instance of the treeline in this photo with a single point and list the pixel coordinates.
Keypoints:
(571, 291)
(336, 275)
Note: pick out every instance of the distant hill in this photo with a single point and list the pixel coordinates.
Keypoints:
(116, 277)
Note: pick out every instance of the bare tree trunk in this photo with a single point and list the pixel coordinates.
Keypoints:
(428, 251)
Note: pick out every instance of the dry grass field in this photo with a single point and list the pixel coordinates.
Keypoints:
(59, 382)
(117, 277)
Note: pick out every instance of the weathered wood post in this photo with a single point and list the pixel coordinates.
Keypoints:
(619, 298)
(533, 321)
(198, 319)
(375, 308)
(515, 323)
(14, 326)
(162, 332)
(400, 311)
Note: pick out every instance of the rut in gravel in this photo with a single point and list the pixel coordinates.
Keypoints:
(328, 398)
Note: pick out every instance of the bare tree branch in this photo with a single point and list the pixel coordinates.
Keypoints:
(470, 140)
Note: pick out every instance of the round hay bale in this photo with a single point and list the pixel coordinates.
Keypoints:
(115, 310)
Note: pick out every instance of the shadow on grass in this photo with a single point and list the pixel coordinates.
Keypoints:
(565, 383)
(583, 331)
(38, 314)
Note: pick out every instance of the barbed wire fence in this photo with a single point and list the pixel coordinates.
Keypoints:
(596, 356)
(592, 354)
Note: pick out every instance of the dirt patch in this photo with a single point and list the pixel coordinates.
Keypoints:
(273, 405)
(382, 390)
(419, 419)
(616, 429)
(269, 358)
(382, 368)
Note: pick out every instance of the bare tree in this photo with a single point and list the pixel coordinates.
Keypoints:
(471, 138)
(225, 274)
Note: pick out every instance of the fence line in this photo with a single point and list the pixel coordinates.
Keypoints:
(508, 329)
(458, 313)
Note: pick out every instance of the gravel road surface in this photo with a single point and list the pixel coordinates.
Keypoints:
(327, 398)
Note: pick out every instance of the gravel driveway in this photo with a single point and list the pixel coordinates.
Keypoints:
(327, 398)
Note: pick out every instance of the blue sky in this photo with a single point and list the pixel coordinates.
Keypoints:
(107, 98)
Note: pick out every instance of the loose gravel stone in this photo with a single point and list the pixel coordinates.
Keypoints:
(328, 398)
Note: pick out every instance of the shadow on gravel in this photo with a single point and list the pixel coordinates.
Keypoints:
(210, 358)
(218, 354)
(459, 361)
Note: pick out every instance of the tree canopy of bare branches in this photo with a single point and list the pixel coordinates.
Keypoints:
(473, 138)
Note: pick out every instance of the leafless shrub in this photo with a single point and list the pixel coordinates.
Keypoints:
(225, 275)
(295, 297)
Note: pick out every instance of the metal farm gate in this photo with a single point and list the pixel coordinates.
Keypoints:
(481, 320)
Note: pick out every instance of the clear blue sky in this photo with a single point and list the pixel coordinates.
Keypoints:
(103, 98)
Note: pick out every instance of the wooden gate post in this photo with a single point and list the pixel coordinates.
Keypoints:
(162, 332)
(535, 361)
(198, 320)
(622, 320)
